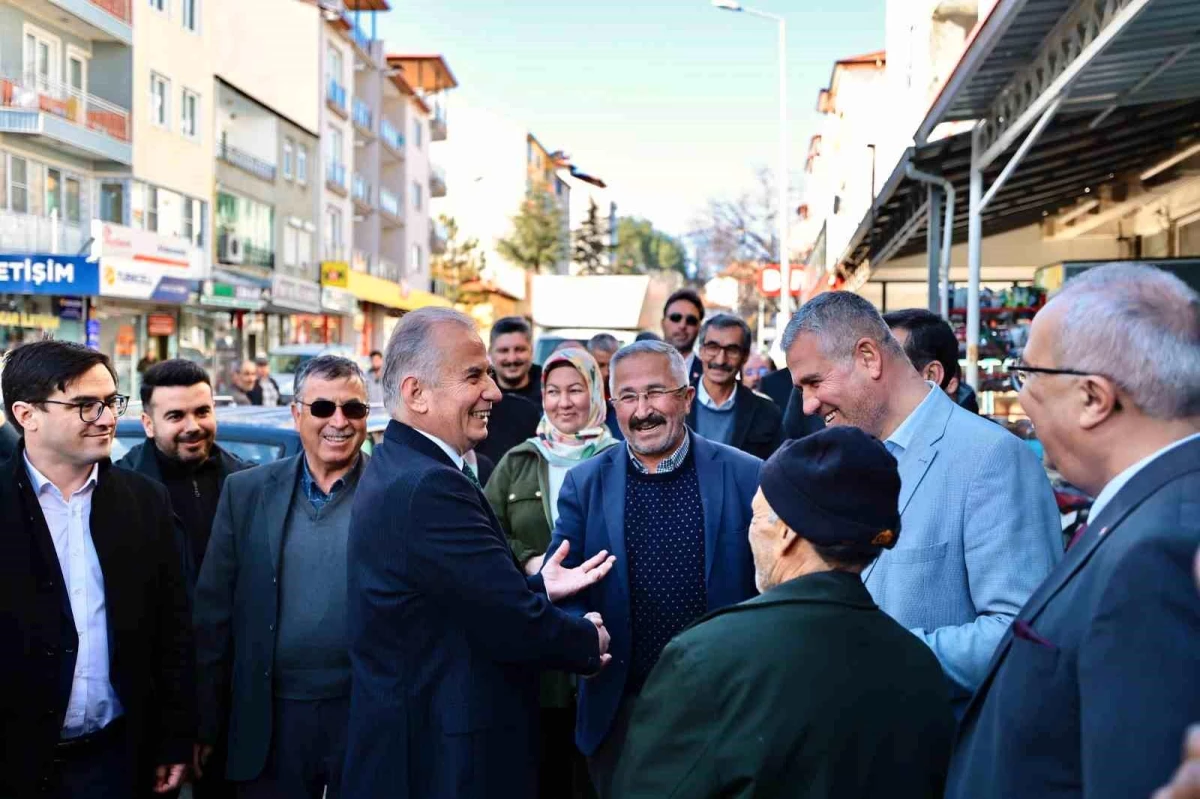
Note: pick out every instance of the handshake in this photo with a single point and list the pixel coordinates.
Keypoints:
(605, 658)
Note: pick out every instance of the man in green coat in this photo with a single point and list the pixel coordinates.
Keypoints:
(808, 690)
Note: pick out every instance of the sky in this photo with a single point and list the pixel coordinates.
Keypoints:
(670, 102)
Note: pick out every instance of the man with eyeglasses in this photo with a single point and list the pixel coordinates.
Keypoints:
(270, 615)
(682, 316)
(97, 680)
(725, 410)
(674, 509)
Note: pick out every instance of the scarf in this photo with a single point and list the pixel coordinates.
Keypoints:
(568, 449)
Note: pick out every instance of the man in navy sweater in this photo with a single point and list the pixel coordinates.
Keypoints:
(674, 509)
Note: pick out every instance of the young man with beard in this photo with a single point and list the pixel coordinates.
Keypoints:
(673, 508)
(511, 354)
(180, 452)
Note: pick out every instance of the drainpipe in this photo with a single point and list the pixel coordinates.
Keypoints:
(947, 230)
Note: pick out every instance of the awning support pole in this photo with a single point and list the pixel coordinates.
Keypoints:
(947, 233)
(933, 247)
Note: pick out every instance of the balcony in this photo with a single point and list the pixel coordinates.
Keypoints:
(360, 260)
(437, 182)
(335, 178)
(389, 270)
(437, 237)
(77, 122)
(30, 233)
(360, 191)
(104, 20)
(389, 204)
(263, 170)
(437, 124)
(335, 98)
(364, 119)
(357, 35)
(392, 139)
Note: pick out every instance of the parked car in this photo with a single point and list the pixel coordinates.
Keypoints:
(285, 361)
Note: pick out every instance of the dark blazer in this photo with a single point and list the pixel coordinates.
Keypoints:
(141, 459)
(447, 636)
(514, 419)
(149, 632)
(1092, 687)
(237, 607)
(591, 508)
(757, 423)
(809, 690)
(697, 370)
(796, 424)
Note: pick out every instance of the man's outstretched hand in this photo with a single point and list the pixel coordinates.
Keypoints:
(562, 582)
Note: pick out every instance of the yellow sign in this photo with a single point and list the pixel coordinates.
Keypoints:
(381, 291)
(33, 321)
(335, 273)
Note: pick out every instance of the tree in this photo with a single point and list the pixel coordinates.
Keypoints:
(590, 245)
(736, 229)
(642, 249)
(458, 264)
(536, 242)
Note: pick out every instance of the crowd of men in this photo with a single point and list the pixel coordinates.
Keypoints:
(854, 586)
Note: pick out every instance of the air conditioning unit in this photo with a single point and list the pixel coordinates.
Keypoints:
(233, 250)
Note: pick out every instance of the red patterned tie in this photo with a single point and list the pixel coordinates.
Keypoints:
(1078, 535)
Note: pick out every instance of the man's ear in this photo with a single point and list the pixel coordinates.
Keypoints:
(934, 372)
(148, 425)
(23, 414)
(413, 395)
(952, 386)
(1100, 400)
(868, 353)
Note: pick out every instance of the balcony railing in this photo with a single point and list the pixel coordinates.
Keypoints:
(437, 182)
(335, 96)
(360, 190)
(246, 162)
(335, 176)
(357, 35)
(31, 233)
(389, 203)
(360, 260)
(120, 9)
(33, 93)
(363, 117)
(390, 136)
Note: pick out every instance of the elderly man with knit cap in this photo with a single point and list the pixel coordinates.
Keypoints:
(808, 690)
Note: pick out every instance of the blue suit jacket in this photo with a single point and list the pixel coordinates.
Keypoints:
(979, 531)
(1091, 690)
(591, 508)
(447, 636)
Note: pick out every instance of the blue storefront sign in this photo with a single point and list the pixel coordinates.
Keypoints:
(93, 334)
(73, 275)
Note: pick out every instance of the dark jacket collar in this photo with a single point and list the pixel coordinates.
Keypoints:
(824, 588)
(408, 436)
(141, 459)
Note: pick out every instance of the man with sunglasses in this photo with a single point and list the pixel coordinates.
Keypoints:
(270, 610)
(97, 681)
(682, 316)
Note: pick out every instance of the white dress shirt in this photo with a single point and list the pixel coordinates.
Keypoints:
(93, 703)
(705, 399)
(446, 448)
(1121, 480)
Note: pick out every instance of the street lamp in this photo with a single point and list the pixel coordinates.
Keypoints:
(781, 180)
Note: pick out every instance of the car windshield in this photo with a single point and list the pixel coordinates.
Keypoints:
(287, 364)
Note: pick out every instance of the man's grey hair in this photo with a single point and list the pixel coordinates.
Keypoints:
(412, 350)
(678, 366)
(839, 320)
(603, 342)
(326, 367)
(726, 321)
(1138, 326)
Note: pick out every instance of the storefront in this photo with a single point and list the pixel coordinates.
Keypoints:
(44, 296)
(382, 302)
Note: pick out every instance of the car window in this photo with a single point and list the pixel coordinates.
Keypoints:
(254, 452)
(287, 364)
(122, 444)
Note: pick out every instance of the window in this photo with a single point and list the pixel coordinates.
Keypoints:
(41, 58)
(416, 260)
(112, 202)
(160, 101)
(288, 149)
(301, 164)
(187, 222)
(74, 201)
(18, 186)
(333, 64)
(417, 128)
(76, 71)
(290, 246)
(191, 17)
(54, 198)
(335, 145)
(189, 120)
(159, 5)
(251, 224)
(152, 209)
(333, 233)
(416, 194)
(304, 249)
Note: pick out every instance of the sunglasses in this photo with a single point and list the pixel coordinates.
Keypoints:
(323, 409)
(678, 317)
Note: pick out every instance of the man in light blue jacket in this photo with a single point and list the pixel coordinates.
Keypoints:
(980, 526)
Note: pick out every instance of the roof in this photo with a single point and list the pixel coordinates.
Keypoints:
(367, 5)
(825, 97)
(429, 73)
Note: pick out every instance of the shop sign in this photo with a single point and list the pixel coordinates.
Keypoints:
(147, 248)
(39, 273)
(93, 334)
(126, 279)
(70, 309)
(32, 321)
(335, 273)
(338, 301)
(292, 292)
(227, 295)
(770, 281)
(160, 324)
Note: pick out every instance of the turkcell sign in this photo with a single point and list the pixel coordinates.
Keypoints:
(72, 275)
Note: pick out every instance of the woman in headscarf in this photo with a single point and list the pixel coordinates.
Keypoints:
(523, 491)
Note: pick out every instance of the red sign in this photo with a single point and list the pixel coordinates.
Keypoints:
(160, 324)
(769, 280)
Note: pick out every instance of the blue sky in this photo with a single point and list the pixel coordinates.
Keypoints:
(670, 102)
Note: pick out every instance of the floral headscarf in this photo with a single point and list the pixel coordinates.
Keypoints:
(567, 449)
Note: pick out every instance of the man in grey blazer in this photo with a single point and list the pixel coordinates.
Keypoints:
(980, 526)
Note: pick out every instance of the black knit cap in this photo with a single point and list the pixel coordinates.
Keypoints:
(837, 486)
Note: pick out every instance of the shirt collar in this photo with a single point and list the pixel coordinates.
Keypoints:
(705, 399)
(309, 483)
(902, 436)
(446, 448)
(1121, 480)
(667, 465)
(42, 483)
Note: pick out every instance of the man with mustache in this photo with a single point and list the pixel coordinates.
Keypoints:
(180, 452)
(674, 509)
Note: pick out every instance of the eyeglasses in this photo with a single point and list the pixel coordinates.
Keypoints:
(1020, 375)
(90, 411)
(630, 398)
(711, 350)
(678, 317)
(323, 409)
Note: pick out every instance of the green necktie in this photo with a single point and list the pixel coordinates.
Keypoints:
(471, 476)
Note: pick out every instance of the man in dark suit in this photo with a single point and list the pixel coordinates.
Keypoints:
(514, 420)
(673, 508)
(796, 423)
(725, 410)
(1091, 689)
(930, 343)
(97, 684)
(681, 320)
(809, 690)
(447, 636)
(271, 600)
